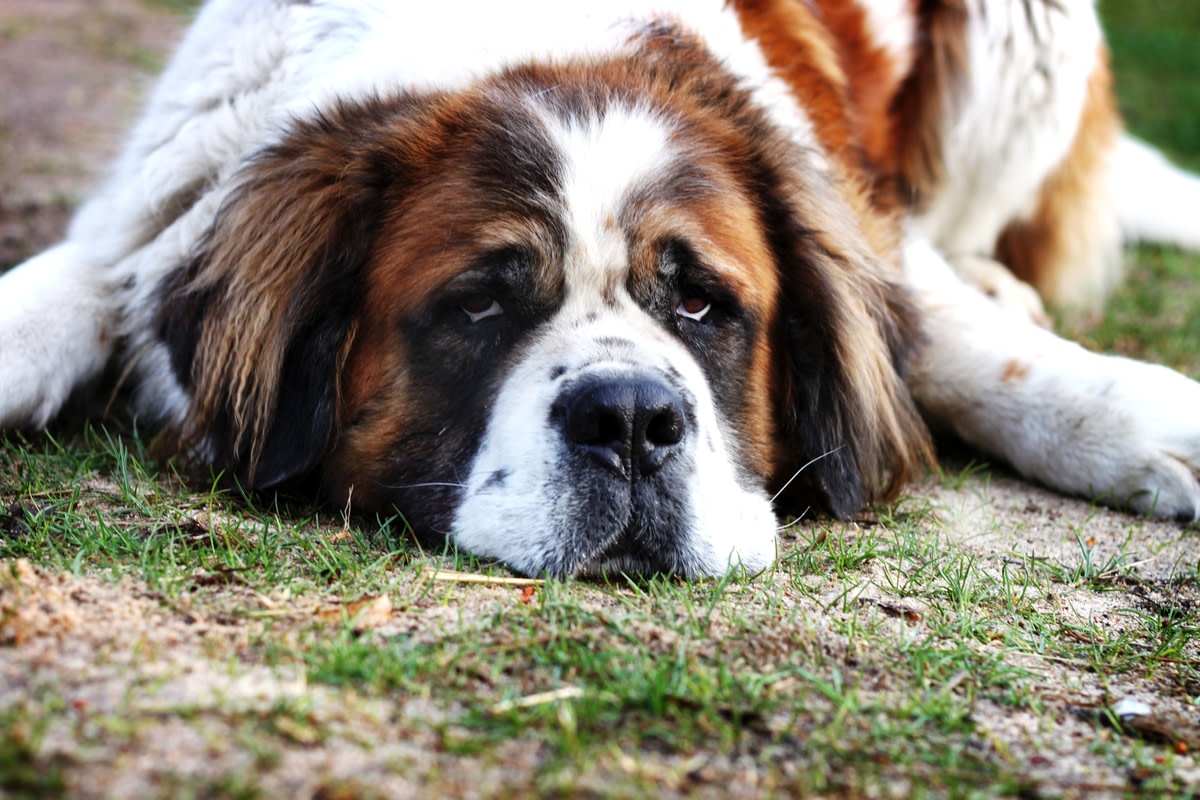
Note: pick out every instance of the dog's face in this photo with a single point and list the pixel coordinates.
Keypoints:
(581, 318)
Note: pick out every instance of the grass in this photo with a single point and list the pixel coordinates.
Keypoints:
(214, 646)
(860, 662)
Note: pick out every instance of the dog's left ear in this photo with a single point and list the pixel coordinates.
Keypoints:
(843, 326)
(851, 431)
(260, 320)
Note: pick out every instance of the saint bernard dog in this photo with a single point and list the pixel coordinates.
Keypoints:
(608, 286)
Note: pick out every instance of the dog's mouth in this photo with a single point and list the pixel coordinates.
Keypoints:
(648, 543)
(625, 556)
(622, 475)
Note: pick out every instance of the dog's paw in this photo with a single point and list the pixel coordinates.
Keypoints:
(29, 398)
(1169, 489)
(1007, 291)
(55, 332)
(1131, 438)
(1157, 418)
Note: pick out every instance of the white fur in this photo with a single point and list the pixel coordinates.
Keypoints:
(1121, 431)
(1092, 425)
(1002, 287)
(891, 25)
(1156, 201)
(1015, 119)
(1084, 423)
(605, 161)
(523, 519)
(56, 331)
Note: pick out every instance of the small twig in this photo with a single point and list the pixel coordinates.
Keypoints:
(454, 576)
(539, 699)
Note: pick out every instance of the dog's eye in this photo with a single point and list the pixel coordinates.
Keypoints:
(694, 308)
(481, 306)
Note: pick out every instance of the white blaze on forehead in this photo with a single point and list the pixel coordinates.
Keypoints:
(606, 159)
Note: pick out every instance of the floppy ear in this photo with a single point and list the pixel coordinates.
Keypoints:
(845, 331)
(260, 319)
(843, 328)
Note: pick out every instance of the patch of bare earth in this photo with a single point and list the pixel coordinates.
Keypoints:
(128, 692)
(163, 694)
(1139, 569)
(137, 693)
(72, 72)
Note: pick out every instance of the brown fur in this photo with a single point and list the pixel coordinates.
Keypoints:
(1069, 249)
(265, 273)
(803, 47)
(873, 78)
(873, 310)
(295, 322)
(924, 99)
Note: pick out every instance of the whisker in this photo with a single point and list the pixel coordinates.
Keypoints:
(806, 466)
(423, 485)
(794, 522)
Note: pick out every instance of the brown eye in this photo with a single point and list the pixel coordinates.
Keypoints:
(481, 306)
(694, 308)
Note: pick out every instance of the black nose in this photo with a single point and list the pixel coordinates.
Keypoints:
(630, 425)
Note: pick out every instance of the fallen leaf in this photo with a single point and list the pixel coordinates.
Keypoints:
(369, 612)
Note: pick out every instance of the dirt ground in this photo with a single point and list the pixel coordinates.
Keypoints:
(72, 73)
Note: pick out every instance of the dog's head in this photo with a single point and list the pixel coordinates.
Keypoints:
(580, 317)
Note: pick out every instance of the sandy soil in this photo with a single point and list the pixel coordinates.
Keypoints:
(73, 72)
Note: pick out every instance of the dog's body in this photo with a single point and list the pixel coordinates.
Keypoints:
(589, 290)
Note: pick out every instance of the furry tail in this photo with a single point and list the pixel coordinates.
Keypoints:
(1156, 201)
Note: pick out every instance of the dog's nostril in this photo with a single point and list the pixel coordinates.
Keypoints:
(594, 424)
(666, 427)
(631, 426)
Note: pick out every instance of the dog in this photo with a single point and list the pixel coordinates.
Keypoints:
(595, 288)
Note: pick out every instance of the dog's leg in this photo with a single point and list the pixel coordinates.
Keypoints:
(1156, 201)
(1123, 432)
(57, 319)
(1020, 129)
(1069, 245)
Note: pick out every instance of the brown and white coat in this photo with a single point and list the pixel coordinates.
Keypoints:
(608, 289)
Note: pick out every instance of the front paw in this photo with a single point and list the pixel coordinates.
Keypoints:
(56, 323)
(29, 395)
(1168, 488)
(1006, 290)
(1155, 447)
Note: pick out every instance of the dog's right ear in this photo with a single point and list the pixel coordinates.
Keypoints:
(259, 321)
